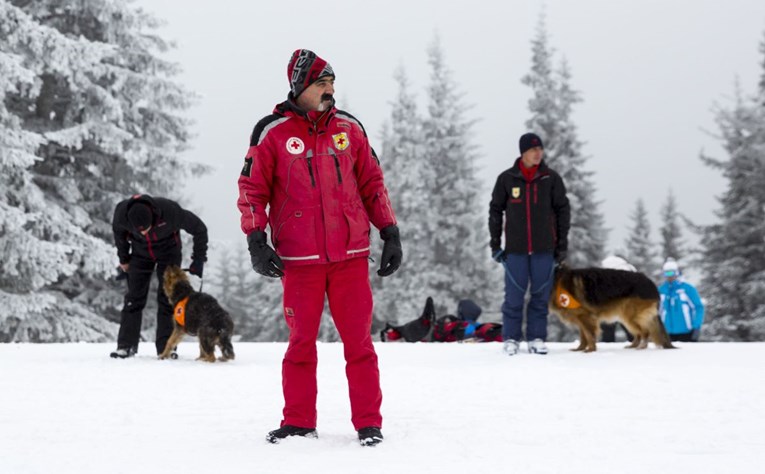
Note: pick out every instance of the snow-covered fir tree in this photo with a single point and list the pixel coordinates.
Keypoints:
(89, 114)
(454, 220)
(671, 232)
(640, 248)
(733, 260)
(551, 107)
(400, 297)
(253, 301)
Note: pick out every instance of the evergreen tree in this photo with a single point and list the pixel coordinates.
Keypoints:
(551, 107)
(454, 220)
(253, 301)
(671, 234)
(733, 261)
(640, 248)
(399, 298)
(89, 115)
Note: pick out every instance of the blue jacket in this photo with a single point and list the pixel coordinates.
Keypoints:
(681, 309)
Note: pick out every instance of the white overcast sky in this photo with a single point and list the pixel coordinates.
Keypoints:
(649, 72)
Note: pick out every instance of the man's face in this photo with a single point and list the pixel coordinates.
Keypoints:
(532, 156)
(318, 96)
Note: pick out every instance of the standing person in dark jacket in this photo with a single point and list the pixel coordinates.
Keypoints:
(533, 199)
(147, 236)
(311, 166)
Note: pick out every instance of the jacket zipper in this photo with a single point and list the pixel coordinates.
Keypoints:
(308, 157)
(337, 165)
(148, 245)
(528, 217)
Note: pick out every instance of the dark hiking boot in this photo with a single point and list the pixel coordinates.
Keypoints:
(286, 431)
(123, 353)
(370, 436)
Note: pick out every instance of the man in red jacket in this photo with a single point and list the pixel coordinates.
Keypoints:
(312, 177)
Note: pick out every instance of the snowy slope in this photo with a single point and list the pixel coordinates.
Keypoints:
(448, 408)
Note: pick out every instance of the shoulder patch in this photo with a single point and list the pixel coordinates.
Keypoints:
(264, 126)
(247, 166)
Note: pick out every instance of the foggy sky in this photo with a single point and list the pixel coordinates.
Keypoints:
(649, 72)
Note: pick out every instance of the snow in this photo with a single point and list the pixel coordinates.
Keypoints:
(448, 408)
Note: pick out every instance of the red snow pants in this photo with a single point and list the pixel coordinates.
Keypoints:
(346, 285)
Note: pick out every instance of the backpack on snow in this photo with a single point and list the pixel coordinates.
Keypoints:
(413, 331)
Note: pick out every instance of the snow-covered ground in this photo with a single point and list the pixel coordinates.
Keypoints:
(448, 408)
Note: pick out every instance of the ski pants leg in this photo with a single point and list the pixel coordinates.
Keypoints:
(533, 273)
(164, 308)
(350, 301)
(139, 279)
(608, 332)
(516, 282)
(304, 290)
(540, 287)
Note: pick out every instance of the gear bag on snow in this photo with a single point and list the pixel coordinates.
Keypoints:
(413, 331)
(447, 328)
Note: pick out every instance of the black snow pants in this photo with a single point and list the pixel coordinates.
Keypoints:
(139, 279)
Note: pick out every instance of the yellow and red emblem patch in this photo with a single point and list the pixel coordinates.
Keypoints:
(516, 193)
(566, 300)
(341, 141)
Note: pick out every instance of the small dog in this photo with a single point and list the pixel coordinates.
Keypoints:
(584, 297)
(197, 314)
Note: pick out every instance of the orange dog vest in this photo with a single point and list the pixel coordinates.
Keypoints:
(180, 312)
(564, 299)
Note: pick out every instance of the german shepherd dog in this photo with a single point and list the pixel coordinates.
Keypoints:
(584, 297)
(197, 314)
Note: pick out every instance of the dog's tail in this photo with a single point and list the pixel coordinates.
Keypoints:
(659, 333)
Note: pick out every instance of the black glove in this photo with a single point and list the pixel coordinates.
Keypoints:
(264, 259)
(121, 274)
(559, 255)
(391, 253)
(197, 267)
(498, 255)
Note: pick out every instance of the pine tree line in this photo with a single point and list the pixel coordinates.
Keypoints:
(647, 254)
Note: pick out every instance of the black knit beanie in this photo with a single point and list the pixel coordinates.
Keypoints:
(140, 216)
(528, 141)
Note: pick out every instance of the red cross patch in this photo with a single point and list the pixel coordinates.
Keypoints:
(295, 146)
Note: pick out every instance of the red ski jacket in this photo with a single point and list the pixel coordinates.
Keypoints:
(316, 182)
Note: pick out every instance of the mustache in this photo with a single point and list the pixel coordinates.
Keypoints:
(325, 97)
